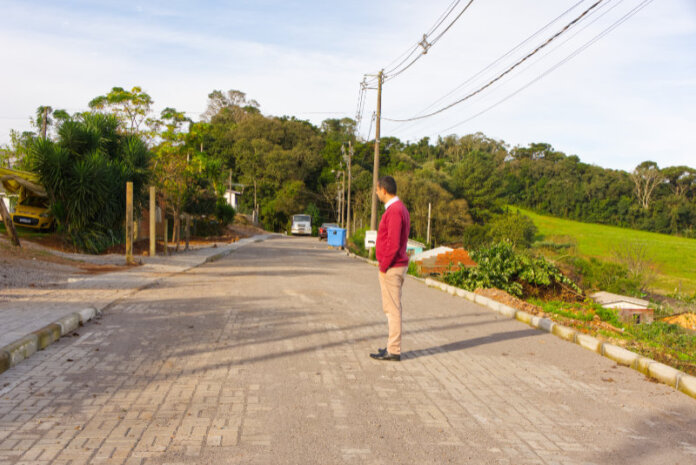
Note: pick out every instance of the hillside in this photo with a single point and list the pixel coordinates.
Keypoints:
(674, 257)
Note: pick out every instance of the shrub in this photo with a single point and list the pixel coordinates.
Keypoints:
(356, 242)
(606, 276)
(516, 228)
(85, 173)
(224, 212)
(475, 236)
(501, 267)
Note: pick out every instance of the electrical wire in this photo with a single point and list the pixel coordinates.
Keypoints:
(575, 53)
(494, 63)
(425, 45)
(504, 73)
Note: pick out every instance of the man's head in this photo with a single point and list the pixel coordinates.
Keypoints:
(386, 188)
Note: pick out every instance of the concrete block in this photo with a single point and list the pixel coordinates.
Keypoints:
(589, 342)
(47, 335)
(69, 323)
(4, 361)
(664, 373)
(479, 299)
(443, 286)
(569, 334)
(643, 365)
(430, 282)
(86, 314)
(524, 317)
(21, 349)
(620, 355)
(506, 311)
(687, 385)
(451, 290)
(543, 324)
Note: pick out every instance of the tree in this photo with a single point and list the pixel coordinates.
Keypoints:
(646, 177)
(131, 107)
(234, 101)
(85, 173)
(681, 179)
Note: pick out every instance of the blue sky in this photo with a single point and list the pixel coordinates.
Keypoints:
(629, 97)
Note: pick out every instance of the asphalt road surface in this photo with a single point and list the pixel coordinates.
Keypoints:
(262, 358)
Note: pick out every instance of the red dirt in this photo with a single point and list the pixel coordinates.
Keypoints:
(444, 262)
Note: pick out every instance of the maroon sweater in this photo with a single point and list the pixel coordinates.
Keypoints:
(392, 237)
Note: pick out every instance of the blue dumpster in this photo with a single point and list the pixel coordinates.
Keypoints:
(336, 237)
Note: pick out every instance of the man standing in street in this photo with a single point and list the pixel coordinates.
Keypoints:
(392, 238)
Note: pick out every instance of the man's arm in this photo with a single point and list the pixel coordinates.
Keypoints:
(391, 248)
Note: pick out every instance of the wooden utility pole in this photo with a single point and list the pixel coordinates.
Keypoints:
(153, 226)
(44, 123)
(428, 236)
(375, 166)
(129, 223)
(9, 225)
(350, 180)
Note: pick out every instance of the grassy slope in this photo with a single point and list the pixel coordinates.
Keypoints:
(675, 257)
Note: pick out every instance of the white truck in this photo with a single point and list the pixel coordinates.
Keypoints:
(301, 225)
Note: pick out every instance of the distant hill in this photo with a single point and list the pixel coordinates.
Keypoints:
(674, 257)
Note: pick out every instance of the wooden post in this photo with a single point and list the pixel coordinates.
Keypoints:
(166, 233)
(9, 225)
(188, 230)
(428, 236)
(153, 226)
(350, 180)
(129, 223)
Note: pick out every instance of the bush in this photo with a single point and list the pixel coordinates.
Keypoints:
(224, 212)
(516, 228)
(604, 276)
(356, 243)
(85, 173)
(205, 227)
(475, 236)
(501, 267)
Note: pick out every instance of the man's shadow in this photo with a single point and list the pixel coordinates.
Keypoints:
(468, 343)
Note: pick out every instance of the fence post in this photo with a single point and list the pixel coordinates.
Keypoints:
(9, 225)
(129, 223)
(153, 226)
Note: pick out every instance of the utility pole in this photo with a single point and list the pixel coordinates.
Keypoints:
(350, 180)
(375, 166)
(43, 122)
(428, 236)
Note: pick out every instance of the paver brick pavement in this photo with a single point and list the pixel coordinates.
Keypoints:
(261, 358)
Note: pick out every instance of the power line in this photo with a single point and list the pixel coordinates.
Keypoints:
(497, 61)
(504, 73)
(575, 53)
(425, 45)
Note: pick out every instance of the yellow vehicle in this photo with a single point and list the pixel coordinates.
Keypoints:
(32, 210)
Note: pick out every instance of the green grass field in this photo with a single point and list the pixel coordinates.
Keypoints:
(674, 257)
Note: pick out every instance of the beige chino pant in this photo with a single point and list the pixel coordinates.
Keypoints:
(391, 284)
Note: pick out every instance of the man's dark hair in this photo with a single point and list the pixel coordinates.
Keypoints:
(388, 184)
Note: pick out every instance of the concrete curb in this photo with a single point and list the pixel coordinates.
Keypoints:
(656, 370)
(25, 347)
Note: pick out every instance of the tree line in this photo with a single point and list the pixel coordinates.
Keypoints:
(285, 166)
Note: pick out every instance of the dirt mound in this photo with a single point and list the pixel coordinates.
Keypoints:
(505, 298)
(685, 320)
(444, 262)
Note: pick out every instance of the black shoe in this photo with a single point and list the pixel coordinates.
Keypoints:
(382, 351)
(386, 356)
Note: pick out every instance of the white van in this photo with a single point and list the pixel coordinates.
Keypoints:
(301, 225)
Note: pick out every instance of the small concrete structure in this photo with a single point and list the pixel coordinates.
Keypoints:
(629, 308)
(231, 197)
(430, 253)
(414, 247)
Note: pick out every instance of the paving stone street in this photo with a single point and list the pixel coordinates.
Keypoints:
(261, 357)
